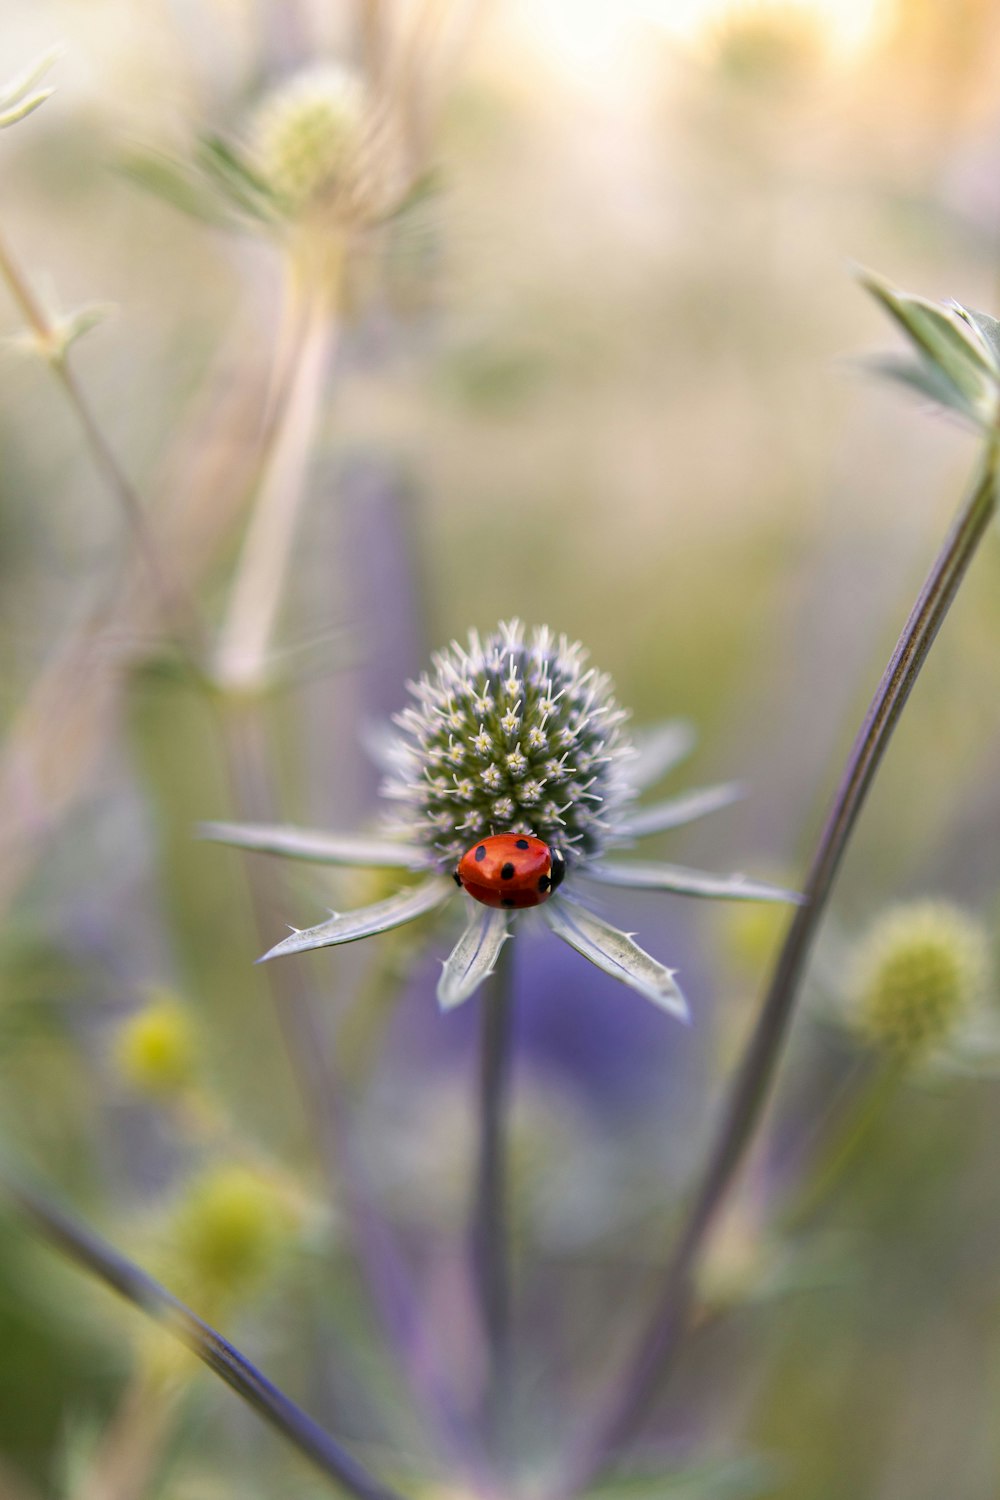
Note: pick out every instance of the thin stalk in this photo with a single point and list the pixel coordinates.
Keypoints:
(490, 1230)
(88, 1251)
(178, 608)
(259, 584)
(751, 1085)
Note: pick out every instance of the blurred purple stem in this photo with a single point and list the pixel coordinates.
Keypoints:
(660, 1342)
(87, 1250)
(490, 1233)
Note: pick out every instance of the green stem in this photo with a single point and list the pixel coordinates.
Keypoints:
(660, 1341)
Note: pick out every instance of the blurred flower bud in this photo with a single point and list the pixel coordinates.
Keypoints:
(227, 1233)
(306, 134)
(156, 1050)
(324, 149)
(918, 974)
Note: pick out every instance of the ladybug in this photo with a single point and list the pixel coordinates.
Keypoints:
(512, 870)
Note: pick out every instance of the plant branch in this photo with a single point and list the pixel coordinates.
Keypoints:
(93, 1254)
(258, 586)
(750, 1088)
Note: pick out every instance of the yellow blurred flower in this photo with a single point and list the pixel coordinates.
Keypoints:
(156, 1050)
(918, 975)
(226, 1235)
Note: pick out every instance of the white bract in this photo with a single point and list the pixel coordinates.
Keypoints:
(515, 734)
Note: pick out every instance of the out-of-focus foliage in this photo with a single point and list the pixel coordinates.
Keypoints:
(599, 370)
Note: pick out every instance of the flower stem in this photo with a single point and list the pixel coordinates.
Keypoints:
(489, 1239)
(258, 587)
(749, 1091)
(93, 1254)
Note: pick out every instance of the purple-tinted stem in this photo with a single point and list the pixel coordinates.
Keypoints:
(661, 1340)
(92, 1253)
(490, 1236)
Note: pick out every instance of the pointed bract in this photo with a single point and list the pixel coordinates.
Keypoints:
(311, 844)
(658, 749)
(19, 97)
(615, 952)
(347, 927)
(24, 108)
(952, 343)
(473, 957)
(676, 811)
(647, 876)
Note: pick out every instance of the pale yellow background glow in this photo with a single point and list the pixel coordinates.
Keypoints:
(586, 34)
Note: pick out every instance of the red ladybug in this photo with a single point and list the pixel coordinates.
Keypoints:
(512, 870)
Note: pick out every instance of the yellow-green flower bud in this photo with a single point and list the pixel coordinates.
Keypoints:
(307, 132)
(918, 974)
(227, 1233)
(156, 1050)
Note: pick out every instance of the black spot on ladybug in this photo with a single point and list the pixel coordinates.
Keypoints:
(522, 844)
(481, 852)
(508, 901)
(507, 873)
(456, 877)
(544, 884)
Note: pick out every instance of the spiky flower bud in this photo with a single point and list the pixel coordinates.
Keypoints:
(511, 734)
(918, 974)
(156, 1050)
(328, 153)
(307, 132)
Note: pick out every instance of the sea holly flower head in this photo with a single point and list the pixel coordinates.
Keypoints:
(320, 159)
(305, 132)
(918, 978)
(512, 734)
(516, 734)
(321, 152)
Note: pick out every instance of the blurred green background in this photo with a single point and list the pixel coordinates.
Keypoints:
(605, 373)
